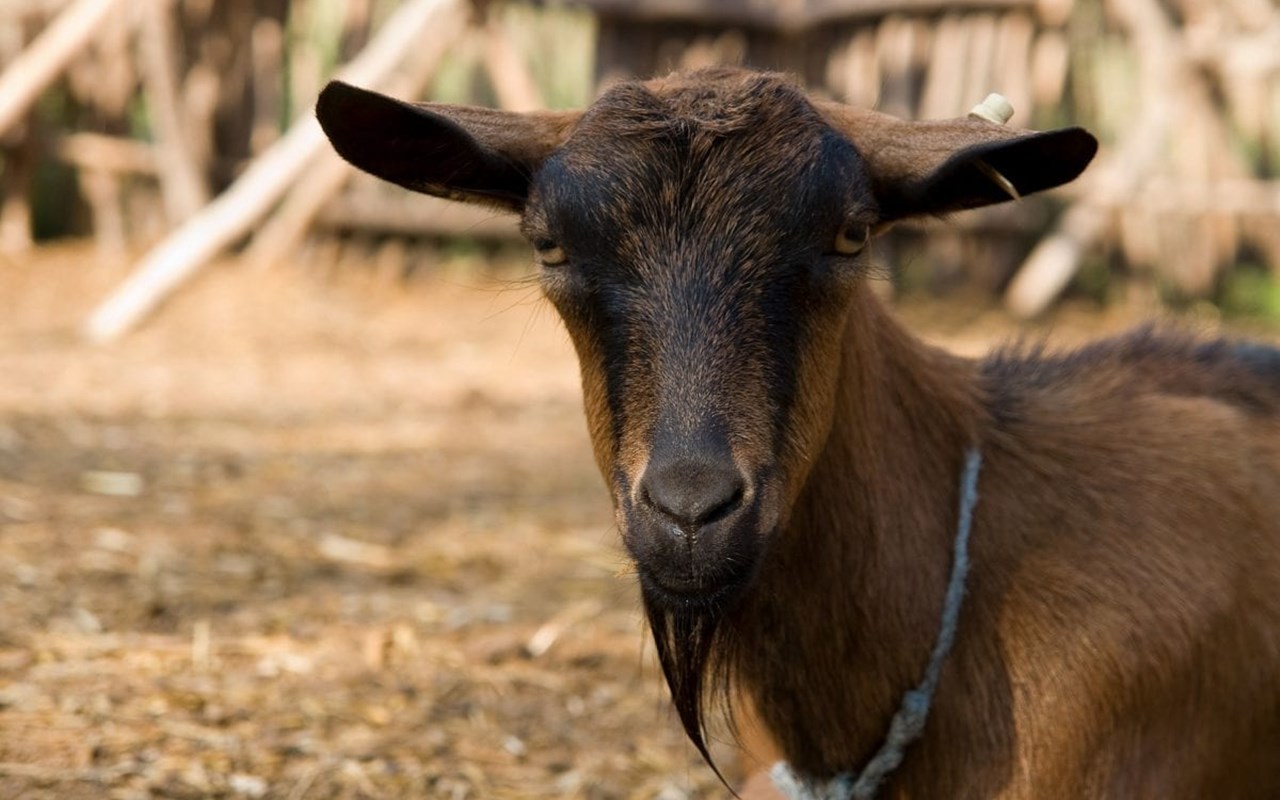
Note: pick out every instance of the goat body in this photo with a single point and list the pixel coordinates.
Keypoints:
(784, 456)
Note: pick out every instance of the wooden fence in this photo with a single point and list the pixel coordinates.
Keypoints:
(186, 124)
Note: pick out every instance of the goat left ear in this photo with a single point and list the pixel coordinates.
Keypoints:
(476, 155)
(939, 166)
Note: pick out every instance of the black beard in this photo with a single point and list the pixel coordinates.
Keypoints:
(693, 647)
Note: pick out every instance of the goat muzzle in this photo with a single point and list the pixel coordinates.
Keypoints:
(693, 526)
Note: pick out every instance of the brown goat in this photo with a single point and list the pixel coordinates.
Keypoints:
(785, 458)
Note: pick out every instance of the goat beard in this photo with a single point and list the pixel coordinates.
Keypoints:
(693, 646)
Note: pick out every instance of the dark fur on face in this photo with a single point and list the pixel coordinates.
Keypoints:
(698, 219)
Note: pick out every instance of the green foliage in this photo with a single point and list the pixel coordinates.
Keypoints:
(455, 78)
(1093, 280)
(1251, 291)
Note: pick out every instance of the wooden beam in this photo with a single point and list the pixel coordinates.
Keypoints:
(48, 55)
(19, 9)
(106, 153)
(1241, 197)
(415, 215)
(784, 16)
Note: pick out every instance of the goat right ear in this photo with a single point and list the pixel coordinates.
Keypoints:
(476, 155)
(940, 166)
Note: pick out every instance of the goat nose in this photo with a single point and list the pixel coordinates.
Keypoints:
(692, 492)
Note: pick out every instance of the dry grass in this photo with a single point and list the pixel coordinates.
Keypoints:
(304, 539)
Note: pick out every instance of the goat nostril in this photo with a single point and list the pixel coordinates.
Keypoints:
(690, 492)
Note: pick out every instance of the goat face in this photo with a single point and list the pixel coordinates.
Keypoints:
(699, 236)
(700, 255)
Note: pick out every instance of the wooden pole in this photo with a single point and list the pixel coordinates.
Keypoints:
(253, 194)
(15, 205)
(182, 182)
(101, 190)
(267, 44)
(18, 156)
(46, 57)
(943, 93)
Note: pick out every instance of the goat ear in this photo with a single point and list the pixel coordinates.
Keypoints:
(938, 166)
(476, 155)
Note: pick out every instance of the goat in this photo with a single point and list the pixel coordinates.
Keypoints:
(785, 458)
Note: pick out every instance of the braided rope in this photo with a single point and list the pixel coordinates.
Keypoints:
(908, 723)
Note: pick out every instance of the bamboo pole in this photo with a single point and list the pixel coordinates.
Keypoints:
(199, 108)
(254, 193)
(28, 74)
(1053, 262)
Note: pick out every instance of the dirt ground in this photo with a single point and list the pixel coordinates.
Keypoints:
(308, 537)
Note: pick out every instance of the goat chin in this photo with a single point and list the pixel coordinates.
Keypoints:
(708, 566)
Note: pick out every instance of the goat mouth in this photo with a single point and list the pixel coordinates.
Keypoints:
(697, 591)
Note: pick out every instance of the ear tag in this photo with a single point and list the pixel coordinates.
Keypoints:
(995, 108)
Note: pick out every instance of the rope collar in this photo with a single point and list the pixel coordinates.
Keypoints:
(908, 723)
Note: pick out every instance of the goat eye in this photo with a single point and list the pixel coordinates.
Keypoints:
(549, 253)
(851, 238)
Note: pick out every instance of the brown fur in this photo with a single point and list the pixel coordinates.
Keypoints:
(784, 456)
(1118, 638)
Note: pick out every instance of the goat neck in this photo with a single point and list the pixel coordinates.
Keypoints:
(869, 541)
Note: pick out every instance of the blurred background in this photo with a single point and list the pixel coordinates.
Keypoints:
(295, 494)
